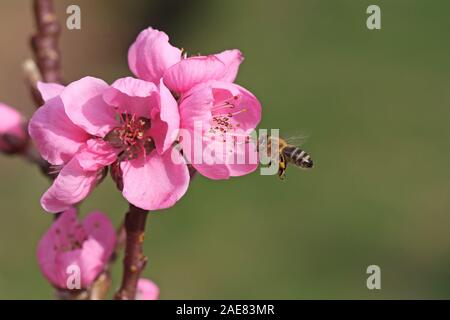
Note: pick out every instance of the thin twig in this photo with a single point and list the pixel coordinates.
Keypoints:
(46, 67)
(134, 260)
(45, 41)
(45, 45)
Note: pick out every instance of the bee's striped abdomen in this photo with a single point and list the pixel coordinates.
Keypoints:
(298, 157)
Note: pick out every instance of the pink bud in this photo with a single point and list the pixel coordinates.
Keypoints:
(147, 290)
(72, 254)
(13, 136)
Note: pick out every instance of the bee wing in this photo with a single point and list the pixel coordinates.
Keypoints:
(297, 140)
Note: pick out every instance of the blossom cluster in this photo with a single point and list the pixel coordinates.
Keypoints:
(134, 125)
(148, 131)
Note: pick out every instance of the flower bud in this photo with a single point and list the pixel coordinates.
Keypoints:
(13, 136)
(147, 290)
(71, 254)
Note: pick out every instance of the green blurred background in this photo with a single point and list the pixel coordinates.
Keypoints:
(375, 105)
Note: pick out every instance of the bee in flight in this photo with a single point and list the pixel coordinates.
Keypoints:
(287, 153)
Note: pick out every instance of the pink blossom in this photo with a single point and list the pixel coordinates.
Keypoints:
(220, 116)
(12, 130)
(151, 57)
(89, 125)
(68, 243)
(147, 290)
(206, 94)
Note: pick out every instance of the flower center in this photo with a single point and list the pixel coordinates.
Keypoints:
(222, 123)
(70, 240)
(131, 137)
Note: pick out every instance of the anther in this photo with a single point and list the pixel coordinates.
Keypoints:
(236, 113)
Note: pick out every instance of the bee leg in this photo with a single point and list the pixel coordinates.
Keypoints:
(282, 174)
(282, 168)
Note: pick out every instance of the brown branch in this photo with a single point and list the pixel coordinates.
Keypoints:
(45, 41)
(134, 260)
(45, 45)
(46, 66)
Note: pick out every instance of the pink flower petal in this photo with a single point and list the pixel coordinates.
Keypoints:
(155, 182)
(189, 72)
(49, 90)
(47, 248)
(99, 227)
(89, 260)
(165, 121)
(84, 105)
(132, 96)
(151, 54)
(72, 185)
(195, 106)
(194, 149)
(249, 119)
(56, 137)
(232, 60)
(243, 160)
(147, 290)
(222, 161)
(96, 154)
(213, 172)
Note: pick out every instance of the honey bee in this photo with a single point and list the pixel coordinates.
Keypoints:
(287, 153)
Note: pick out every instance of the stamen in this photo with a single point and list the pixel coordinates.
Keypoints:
(223, 106)
(227, 103)
(237, 112)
